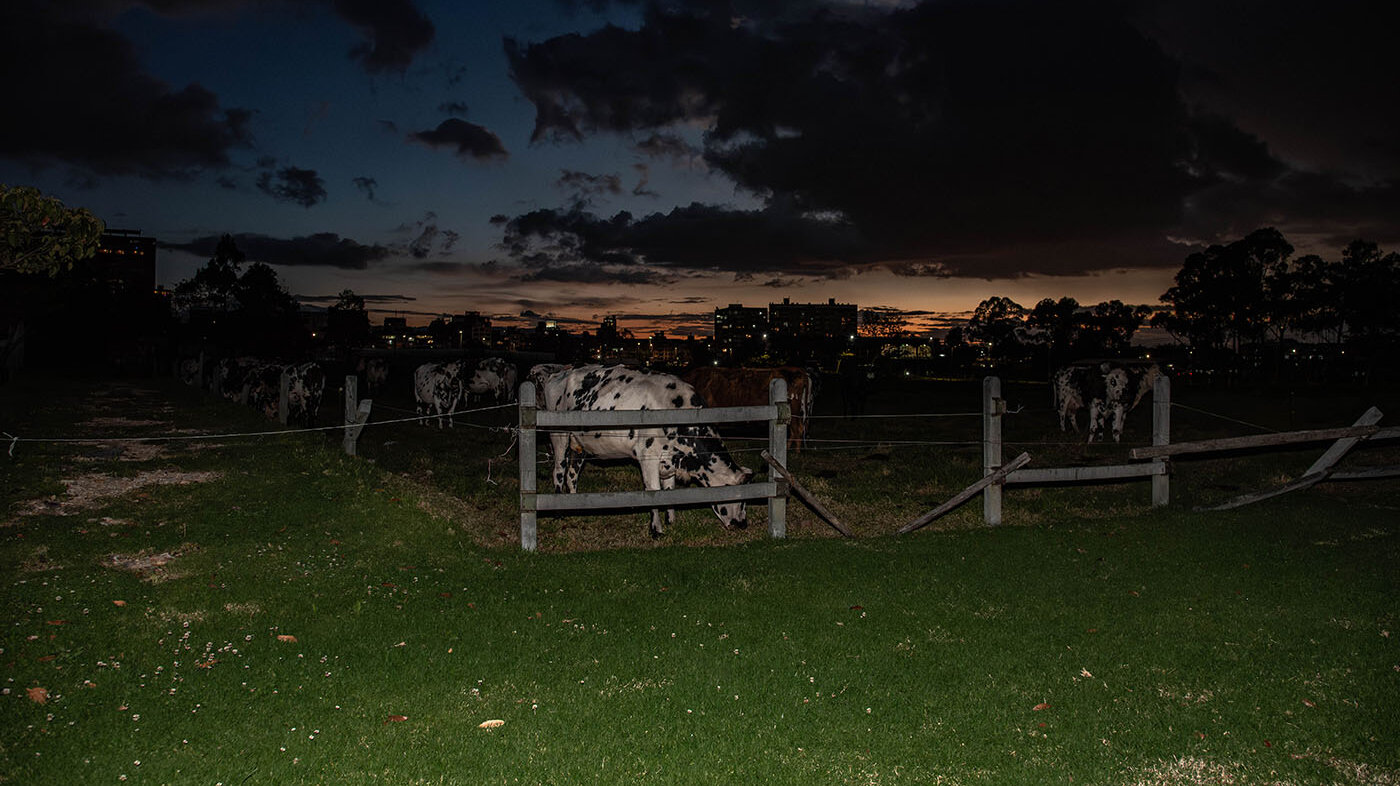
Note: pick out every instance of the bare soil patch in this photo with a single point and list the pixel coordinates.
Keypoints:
(89, 491)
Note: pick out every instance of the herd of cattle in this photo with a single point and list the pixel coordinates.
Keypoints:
(1108, 390)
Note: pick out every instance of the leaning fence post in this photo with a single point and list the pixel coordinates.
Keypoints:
(777, 448)
(993, 407)
(527, 466)
(1161, 435)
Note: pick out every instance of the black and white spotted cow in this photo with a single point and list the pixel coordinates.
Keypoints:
(1109, 390)
(306, 383)
(376, 371)
(494, 380)
(541, 372)
(437, 387)
(664, 454)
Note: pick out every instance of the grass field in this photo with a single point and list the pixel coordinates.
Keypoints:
(266, 610)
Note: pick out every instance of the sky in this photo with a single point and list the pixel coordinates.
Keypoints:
(571, 159)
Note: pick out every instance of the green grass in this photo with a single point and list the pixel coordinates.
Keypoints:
(1093, 639)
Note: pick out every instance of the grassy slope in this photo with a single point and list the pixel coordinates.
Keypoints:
(1258, 646)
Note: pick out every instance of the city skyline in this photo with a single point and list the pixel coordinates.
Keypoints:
(561, 160)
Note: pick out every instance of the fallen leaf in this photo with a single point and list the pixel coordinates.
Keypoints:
(58, 622)
(208, 664)
(1308, 703)
(287, 637)
(38, 695)
(857, 608)
(1085, 673)
(1041, 706)
(118, 603)
(491, 724)
(396, 719)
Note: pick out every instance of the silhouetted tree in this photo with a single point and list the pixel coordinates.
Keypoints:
(248, 312)
(1109, 328)
(347, 322)
(1222, 295)
(39, 235)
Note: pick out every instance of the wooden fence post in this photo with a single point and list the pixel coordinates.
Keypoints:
(284, 387)
(993, 407)
(527, 466)
(1161, 435)
(777, 448)
(356, 414)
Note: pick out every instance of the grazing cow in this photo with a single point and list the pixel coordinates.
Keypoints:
(664, 454)
(494, 378)
(539, 373)
(376, 371)
(1109, 389)
(437, 387)
(305, 385)
(744, 387)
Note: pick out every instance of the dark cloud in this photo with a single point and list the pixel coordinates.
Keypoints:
(84, 99)
(953, 137)
(696, 237)
(323, 249)
(643, 178)
(587, 185)
(426, 238)
(367, 298)
(293, 184)
(368, 186)
(469, 139)
(396, 32)
(595, 274)
(669, 146)
(453, 108)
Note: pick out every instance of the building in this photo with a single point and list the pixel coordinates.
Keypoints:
(125, 262)
(740, 332)
(808, 321)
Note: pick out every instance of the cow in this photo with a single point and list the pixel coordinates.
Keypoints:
(494, 379)
(665, 454)
(1109, 389)
(540, 372)
(743, 387)
(376, 371)
(437, 387)
(306, 383)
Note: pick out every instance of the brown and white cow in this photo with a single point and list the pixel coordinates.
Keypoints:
(747, 387)
(1108, 389)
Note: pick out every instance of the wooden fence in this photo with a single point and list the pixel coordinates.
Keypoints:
(533, 419)
(997, 474)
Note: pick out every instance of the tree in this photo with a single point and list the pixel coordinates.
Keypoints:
(214, 287)
(1369, 282)
(40, 235)
(999, 323)
(347, 322)
(1223, 296)
(1110, 327)
(1057, 324)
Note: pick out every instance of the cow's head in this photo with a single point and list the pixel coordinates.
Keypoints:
(701, 457)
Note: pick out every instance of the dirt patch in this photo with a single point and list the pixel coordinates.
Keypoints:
(89, 491)
(150, 565)
(118, 422)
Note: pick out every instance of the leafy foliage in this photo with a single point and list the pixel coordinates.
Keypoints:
(41, 235)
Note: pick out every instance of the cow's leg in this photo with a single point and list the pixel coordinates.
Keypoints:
(559, 448)
(1096, 420)
(669, 482)
(1120, 414)
(651, 481)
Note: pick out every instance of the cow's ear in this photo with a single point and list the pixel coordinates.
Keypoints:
(746, 473)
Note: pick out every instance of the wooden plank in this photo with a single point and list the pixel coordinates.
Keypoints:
(1248, 499)
(806, 495)
(1255, 441)
(355, 426)
(664, 498)
(1327, 460)
(1367, 474)
(1082, 474)
(967, 493)
(613, 418)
